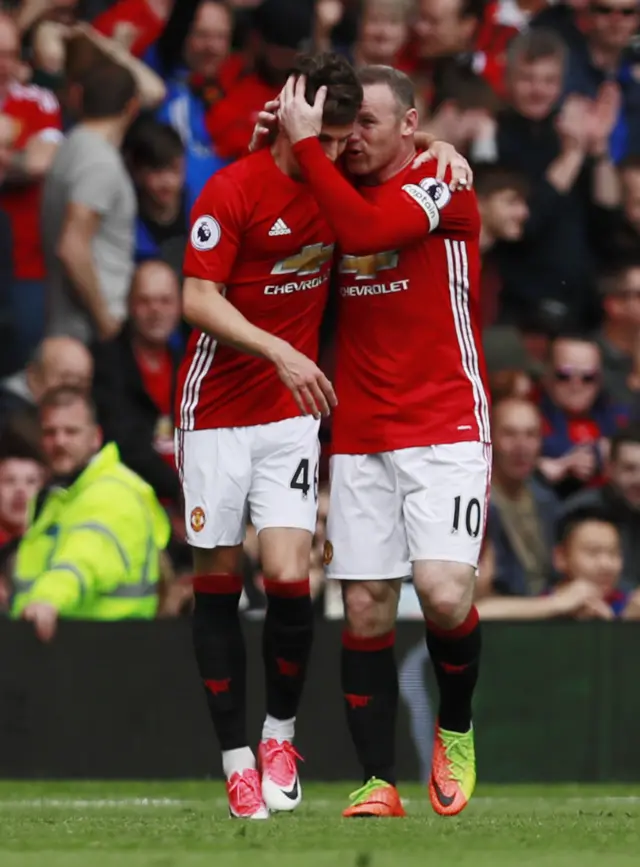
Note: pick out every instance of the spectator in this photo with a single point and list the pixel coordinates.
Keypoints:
(92, 554)
(135, 377)
(574, 187)
(8, 359)
(167, 187)
(589, 550)
(502, 201)
(89, 213)
(281, 28)
(578, 416)
(457, 29)
(383, 29)
(619, 338)
(204, 81)
(58, 361)
(523, 511)
(587, 557)
(21, 477)
(601, 50)
(134, 24)
(623, 232)
(619, 498)
(33, 116)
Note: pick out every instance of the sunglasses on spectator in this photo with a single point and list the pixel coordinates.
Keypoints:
(601, 9)
(586, 377)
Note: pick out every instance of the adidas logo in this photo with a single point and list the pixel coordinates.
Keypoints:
(279, 228)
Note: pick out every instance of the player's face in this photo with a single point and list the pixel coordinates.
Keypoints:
(593, 553)
(9, 52)
(504, 214)
(383, 32)
(69, 438)
(631, 194)
(574, 381)
(517, 440)
(209, 41)
(334, 140)
(163, 186)
(536, 87)
(155, 307)
(377, 132)
(624, 473)
(20, 481)
(612, 23)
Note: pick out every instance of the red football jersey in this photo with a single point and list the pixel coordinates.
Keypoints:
(36, 112)
(260, 234)
(409, 366)
(139, 15)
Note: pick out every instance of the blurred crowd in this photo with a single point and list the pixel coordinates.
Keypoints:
(112, 117)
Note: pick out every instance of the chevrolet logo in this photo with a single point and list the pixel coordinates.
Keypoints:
(308, 261)
(365, 267)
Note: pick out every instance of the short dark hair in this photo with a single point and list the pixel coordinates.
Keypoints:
(107, 89)
(150, 144)
(491, 179)
(67, 395)
(14, 445)
(539, 43)
(574, 518)
(344, 91)
(398, 83)
(629, 435)
(455, 81)
(630, 163)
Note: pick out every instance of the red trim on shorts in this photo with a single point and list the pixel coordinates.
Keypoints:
(465, 628)
(221, 583)
(378, 642)
(287, 589)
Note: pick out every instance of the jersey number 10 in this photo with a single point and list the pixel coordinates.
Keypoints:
(472, 518)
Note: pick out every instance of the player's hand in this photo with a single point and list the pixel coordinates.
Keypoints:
(266, 124)
(297, 118)
(448, 158)
(44, 618)
(309, 386)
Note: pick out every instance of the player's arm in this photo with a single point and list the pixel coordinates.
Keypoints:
(209, 260)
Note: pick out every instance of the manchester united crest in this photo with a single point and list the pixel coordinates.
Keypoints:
(198, 519)
(327, 556)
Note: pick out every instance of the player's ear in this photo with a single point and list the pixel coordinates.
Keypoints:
(410, 122)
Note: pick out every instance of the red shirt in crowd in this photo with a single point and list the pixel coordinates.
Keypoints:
(157, 380)
(231, 119)
(36, 112)
(409, 364)
(488, 55)
(260, 233)
(138, 14)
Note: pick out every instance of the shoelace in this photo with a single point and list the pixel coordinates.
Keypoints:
(245, 788)
(363, 792)
(282, 757)
(457, 758)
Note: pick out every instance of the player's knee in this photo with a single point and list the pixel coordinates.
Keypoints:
(446, 592)
(285, 554)
(370, 607)
(217, 561)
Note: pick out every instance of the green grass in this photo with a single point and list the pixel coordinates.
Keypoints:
(186, 825)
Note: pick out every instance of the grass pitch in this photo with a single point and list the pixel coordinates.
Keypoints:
(186, 825)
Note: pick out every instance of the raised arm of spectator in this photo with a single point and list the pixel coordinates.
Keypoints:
(30, 11)
(607, 191)
(151, 88)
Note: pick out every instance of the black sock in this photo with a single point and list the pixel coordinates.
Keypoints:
(370, 687)
(220, 652)
(455, 654)
(286, 644)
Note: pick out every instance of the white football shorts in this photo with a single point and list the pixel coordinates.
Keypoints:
(390, 509)
(266, 472)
